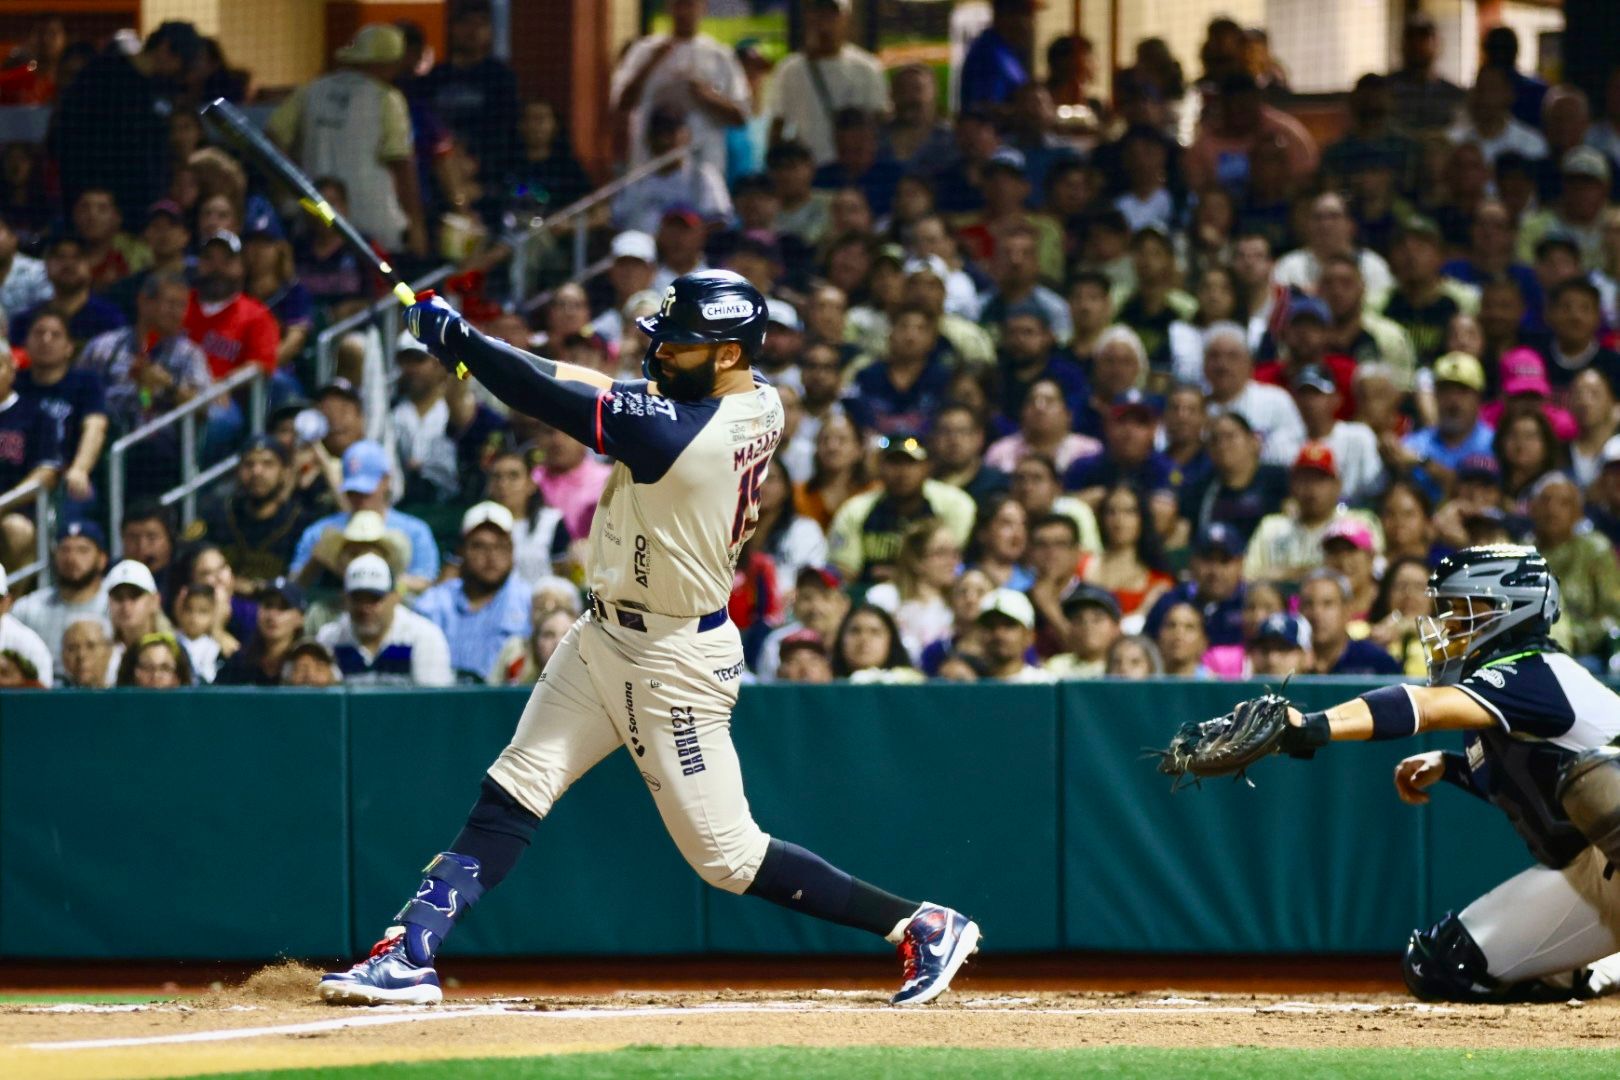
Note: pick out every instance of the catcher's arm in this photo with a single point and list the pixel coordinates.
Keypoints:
(1434, 708)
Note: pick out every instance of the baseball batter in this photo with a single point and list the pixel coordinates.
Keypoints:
(654, 664)
(1538, 745)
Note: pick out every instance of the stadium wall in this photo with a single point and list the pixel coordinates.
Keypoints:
(242, 824)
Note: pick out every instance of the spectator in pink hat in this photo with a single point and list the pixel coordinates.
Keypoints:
(1348, 547)
(1524, 380)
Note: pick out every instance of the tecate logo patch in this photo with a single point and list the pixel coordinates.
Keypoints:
(728, 309)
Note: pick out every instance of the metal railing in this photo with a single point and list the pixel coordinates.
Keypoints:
(386, 311)
(18, 496)
(191, 479)
(526, 243)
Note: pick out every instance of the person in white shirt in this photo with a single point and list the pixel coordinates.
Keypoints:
(380, 642)
(1331, 230)
(1489, 121)
(1007, 619)
(17, 638)
(1270, 412)
(430, 409)
(78, 568)
(692, 184)
(1354, 446)
(689, 72)
(810, 87)
(635, 259)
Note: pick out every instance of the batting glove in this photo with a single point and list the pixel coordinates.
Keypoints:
(434, 323)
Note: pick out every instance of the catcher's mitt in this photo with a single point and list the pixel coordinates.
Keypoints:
(1228, 745)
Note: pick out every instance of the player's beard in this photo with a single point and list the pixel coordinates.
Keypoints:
(693, 384)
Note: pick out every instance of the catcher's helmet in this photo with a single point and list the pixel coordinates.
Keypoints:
(1487, 599)
(707, 307)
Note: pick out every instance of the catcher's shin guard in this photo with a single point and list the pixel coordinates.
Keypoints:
(449, 888)
(1589, 790)
(1445, 963)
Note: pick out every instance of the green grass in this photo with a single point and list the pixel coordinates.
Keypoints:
(893, 1063)
(81, 999)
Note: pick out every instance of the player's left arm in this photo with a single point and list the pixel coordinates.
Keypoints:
(1399, 711)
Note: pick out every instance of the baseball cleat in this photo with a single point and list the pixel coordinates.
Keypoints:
(936, 943)
(385, 977)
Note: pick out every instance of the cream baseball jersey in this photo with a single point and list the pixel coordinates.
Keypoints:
(683, 496)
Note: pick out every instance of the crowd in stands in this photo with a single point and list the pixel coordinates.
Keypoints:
(1176, 391)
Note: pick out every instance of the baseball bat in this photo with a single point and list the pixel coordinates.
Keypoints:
(229, 118)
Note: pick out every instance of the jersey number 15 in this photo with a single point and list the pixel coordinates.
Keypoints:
(742, 524)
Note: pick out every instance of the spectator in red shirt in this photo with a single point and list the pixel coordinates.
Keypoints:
(233, 329)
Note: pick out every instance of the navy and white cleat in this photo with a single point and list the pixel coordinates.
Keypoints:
(385, 977)
(936, 943)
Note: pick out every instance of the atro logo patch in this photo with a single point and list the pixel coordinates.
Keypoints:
(728, 309)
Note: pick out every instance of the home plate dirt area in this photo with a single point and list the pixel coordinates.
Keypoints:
(273, 1020)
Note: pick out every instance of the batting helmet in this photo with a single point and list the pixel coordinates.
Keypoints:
(707, 307)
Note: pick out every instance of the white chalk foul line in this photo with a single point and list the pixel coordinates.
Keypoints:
(423, 1014)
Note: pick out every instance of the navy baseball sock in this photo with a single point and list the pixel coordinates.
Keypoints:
(803, 881)
(489, 845)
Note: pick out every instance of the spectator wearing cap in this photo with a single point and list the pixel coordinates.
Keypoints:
(258, 525)
(354, 125)
(681, 237)
(1269, 410)
(441, 430)
(995, 64)
(686, 71)
(488, 603)
(1044, 423)
(809, 88)
(150, 367)
(864, 539)
(1007, 621)
(778, 358)
(1092, 616)
(688, 182)
(1278, 649)
(366, 475)
(819, 604)
(271, 278)
(1476, 495)
(379, 642)
(1288, 544)
(167, 237)
(1424, 301)
(1330, 230)
(903, 390)
(805, 212)
(923, 574)
(30, 450)
(24, 283)
(1155, 304)
(1525, 386)
(1583, 561)
(539, 537)
(279, 625)
(84, 313)
(1592, 404)
(635, 258)
(233, 329)
(17, 639)
(1577, 212)
(1347, 547)
(1324, 602)
(1488, 120)
(1307, 324)
(1575, 317)
(1431, 455)
(1221, 153)
(77, 590)
(134, 608)
(804, 659)
(1353, 443)
(1127, 456)
(1215, 588)
(113, 254)
(1017, 276)
(85, 647)
(74, 398)
(1005, 182)
(111, 124)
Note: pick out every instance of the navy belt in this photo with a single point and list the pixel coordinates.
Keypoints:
(632, 620)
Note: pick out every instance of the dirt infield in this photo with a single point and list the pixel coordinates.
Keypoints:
(274, 1020)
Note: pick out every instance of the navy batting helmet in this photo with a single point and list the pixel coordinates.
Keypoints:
(707, 307)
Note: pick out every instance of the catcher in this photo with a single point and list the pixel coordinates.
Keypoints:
(1537, 732)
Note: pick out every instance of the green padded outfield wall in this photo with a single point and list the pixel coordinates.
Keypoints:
(249, 824)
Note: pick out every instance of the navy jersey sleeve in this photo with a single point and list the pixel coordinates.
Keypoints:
(1524, 695)
(89, 395)
(648, 432)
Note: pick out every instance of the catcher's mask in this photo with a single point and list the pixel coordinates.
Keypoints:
(1485, 599)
